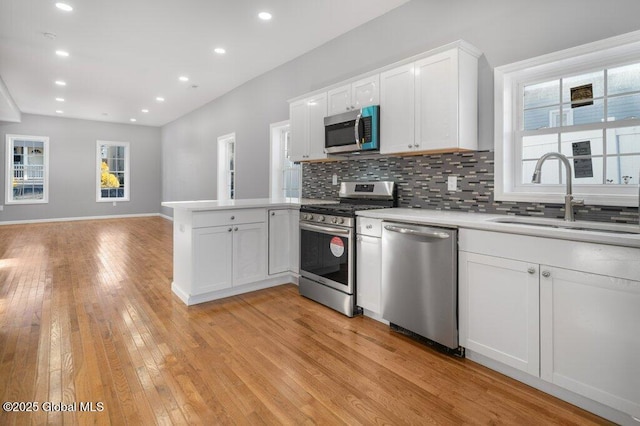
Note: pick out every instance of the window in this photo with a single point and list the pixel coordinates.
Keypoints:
(227, 167)
(112, 171)
(584, 103)
(286, 176)
(27, 169)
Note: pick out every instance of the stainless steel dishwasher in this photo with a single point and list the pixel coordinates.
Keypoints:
(420, 281)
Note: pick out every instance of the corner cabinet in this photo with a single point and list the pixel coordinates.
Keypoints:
(577, 304)
(431, 104)
(307, 128)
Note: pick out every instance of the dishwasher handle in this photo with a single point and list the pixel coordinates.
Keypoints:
(427, 234)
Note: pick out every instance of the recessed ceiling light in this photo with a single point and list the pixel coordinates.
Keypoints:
(183, 78)
(64, 6)
(61, 83)
(133, 120)
(60, 99)
(62, 53)
(219, 50)
(160, 99)
(145, 110)
(265, 16)
(59, 111)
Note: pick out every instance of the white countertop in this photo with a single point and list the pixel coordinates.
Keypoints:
(482, 221)
(248, 203)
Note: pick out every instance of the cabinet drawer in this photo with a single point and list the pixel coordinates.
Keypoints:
(227, 217)
(370, 227)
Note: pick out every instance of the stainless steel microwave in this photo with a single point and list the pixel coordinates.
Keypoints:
(351, 131)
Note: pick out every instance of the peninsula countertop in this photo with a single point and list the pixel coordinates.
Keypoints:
(247, 203)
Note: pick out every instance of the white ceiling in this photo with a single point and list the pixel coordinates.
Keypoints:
(125, 53)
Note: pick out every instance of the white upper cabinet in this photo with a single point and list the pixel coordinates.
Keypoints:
(441, 113)
(436, 122)
(397, 93)
(339, 99)
(428, 104)
(307, 128)
(356, 95)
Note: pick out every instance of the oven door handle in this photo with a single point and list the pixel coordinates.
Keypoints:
(326, 229)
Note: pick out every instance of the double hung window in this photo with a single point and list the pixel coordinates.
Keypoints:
(583, 103)
(112, 171)
(27, 169)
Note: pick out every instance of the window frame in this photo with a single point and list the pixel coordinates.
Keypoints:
(227, 187)
(280, 157)
(509, 82)
(127, 172)
(9, 169)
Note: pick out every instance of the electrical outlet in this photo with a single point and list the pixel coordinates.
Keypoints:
(452, 183)
(335, 179)
(114, 204)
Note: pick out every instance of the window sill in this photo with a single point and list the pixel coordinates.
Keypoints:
(617, 200)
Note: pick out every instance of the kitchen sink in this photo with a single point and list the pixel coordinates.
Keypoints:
(574, 226)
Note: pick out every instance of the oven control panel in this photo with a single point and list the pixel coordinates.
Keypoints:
(328, 219)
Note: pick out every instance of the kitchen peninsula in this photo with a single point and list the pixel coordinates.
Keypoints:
(222, 248)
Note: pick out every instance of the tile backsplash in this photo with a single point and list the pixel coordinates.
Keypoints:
(422, 183)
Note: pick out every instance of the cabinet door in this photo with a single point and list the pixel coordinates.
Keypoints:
(339, 99)
(590, 336)
(279, 241)
(316, 112)
(368, 273)
(365, 92)
(249, 253)
(294, 242)
(212, 259)
(498, 309)
(299, 131)
(437, 102)
(397, 96)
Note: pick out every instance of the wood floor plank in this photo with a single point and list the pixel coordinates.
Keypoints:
(87, 315)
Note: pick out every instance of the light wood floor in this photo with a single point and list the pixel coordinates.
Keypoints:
(87, 315)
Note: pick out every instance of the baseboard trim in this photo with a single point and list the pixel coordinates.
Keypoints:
(72, 219)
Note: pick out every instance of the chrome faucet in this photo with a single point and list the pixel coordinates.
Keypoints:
(569, 202)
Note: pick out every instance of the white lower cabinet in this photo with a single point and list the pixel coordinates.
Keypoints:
(249, 253)
(227, 256)
(212, 259)
(499, 309)
(369, 266)
(590, 331)
(575, 304)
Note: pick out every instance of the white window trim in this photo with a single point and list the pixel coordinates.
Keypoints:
(508, 80)
(127, 172)
(223, 184)
(9, 169)
(276, 170)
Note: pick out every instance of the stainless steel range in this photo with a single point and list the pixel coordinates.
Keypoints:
(327, 243)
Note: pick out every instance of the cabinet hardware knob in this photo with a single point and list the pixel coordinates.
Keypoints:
(531, 271)
(409, 146)
(369, 226)
(416, 145)
(546, 274)
(233, 217)
(235, 229)
(229, 230)
(273, 213)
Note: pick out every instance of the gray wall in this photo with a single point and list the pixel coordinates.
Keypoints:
(72, 163)
(505, 30)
